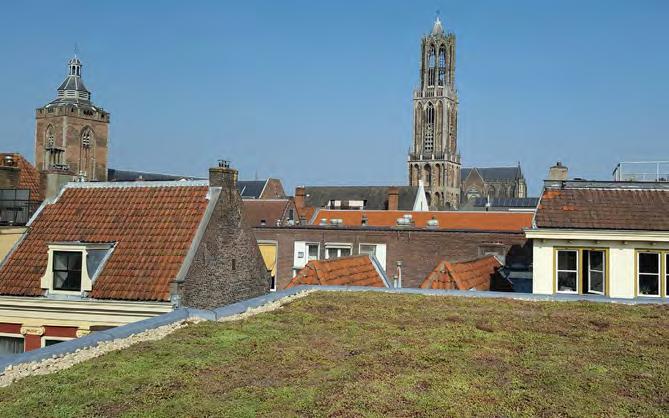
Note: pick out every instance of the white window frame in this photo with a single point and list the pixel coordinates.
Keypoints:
(12, 335)
(306, 251)
(380, 255)
(46, 282)
(658, 274)
(46, 337)
(558, 271)
(602, 271)
(339, 246)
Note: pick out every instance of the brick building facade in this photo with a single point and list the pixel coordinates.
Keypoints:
(418, 249)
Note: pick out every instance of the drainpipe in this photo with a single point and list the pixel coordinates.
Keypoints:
(399, 273)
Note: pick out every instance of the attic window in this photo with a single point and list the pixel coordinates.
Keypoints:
(72, 267)
(67, 270)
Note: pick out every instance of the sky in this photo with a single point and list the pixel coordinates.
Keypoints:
(320, 93)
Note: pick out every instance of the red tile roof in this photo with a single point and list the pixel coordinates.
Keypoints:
(591, 208)
(258, 210)
(152, 227)
(28, 176)
(347, 271)
(475, 274)
(476, 221)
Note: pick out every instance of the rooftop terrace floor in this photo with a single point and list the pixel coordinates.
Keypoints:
(379, 354)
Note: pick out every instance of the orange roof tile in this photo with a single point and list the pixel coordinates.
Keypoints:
(476, 221)
(347, 271)
(28, 176)
(152, 227)
(475, 274)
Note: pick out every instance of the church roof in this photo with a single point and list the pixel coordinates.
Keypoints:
(73, 83)
(494, 173)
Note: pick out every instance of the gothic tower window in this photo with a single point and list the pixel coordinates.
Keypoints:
(53, 155)
(442, 65)
(431, 66)
(86, 164)
(428, 176)
(428, 139)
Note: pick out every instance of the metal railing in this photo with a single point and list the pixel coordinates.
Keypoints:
(655, 171)
(16, 208)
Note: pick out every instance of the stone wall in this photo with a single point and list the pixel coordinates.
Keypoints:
(419, 249)
(227, 266)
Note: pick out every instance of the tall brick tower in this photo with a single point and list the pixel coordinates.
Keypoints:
(72, 134)
(433, 158)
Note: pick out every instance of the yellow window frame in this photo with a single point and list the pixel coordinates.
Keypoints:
(579, 268)
(664, 255)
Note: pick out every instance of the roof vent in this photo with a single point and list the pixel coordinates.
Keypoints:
(364, 220)
(403, 221)
(433, 223)
(9, 160)
(224, 163)
(336, 222)
(324, 221)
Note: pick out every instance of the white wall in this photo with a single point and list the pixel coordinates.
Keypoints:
(621, 258)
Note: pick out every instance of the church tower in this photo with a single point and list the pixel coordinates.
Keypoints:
(72, 134)
(433, 158)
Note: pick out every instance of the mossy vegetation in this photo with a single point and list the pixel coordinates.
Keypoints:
(371, 354)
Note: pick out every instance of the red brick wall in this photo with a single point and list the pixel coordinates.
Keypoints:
(419, 250)
(51, 331)
(273, 190)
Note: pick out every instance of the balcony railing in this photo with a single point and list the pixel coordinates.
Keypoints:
(16, 208)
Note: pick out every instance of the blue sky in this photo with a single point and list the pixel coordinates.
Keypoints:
(320, 92)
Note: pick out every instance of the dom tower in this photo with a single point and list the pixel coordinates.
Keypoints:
(71, 133)
(433, 158)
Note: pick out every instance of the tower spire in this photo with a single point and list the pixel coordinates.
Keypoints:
(438, 27)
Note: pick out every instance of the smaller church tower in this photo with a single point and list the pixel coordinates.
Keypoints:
(72, 134)
(434, 160)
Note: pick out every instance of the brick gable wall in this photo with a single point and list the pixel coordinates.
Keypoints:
(227, 266)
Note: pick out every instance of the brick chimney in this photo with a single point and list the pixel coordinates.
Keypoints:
(223, 176)
(558, 172)
(9, 172)
(393, 198)
(299, 197)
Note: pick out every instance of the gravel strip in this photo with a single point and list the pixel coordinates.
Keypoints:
(56, 363)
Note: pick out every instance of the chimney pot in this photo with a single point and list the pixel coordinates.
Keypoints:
(223, 176)
(393, 198)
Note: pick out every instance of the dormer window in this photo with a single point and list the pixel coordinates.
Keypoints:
(73, 267)
(67, 270)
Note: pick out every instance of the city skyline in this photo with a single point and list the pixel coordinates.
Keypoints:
(331, 103)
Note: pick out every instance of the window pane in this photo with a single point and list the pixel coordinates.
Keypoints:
(567, 260)
(649, 263)
(313, 252)
(368, 249)
(596, 281)
(345, 252)
(597, 260)
(59, 279)
(566, 281)
(331, 252)
(74, 261)
(11, 345)
(649, 284)
(59, 261)
(51, 342)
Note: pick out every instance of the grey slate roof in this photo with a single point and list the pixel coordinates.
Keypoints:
(250, 189)
(508, 202)
(376, 197)
(73, 83)
(494, 173)
(127, 175)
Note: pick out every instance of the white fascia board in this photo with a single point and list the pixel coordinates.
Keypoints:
(600, 234)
